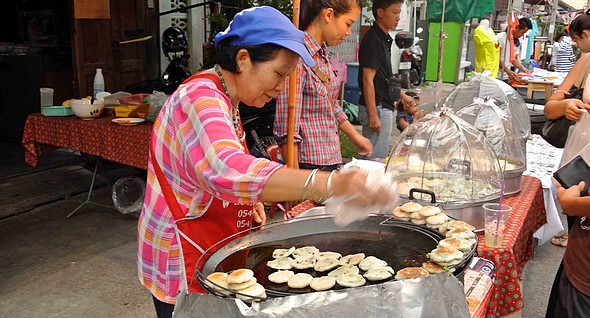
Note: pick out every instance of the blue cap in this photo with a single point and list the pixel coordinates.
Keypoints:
(265, 25)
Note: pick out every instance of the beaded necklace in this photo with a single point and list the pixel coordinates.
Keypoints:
(235, 109)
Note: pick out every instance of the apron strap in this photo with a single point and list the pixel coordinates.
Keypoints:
(169, 196)
(217, 82)
(209, 76)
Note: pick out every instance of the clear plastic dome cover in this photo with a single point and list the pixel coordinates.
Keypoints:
(500, 129)
(506, 97)
(444, 154)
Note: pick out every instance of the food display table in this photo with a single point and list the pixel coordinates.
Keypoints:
(539, 81)
(527, 216)
(100, 137)
(539, 86)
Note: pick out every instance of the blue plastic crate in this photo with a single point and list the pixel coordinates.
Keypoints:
(352, 94)
(352, 73)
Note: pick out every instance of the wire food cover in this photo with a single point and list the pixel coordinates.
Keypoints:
(506, 97)
(444, 154)
(499, 128)
(501, 131)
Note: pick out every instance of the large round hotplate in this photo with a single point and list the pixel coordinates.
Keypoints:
(400, 243)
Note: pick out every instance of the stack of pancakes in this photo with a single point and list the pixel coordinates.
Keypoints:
(240, 281)
(458, 242)
(431, 216)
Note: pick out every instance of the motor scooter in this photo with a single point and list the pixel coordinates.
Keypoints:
(409, 65)
(175, 47)
(417, 54)
(258, 125)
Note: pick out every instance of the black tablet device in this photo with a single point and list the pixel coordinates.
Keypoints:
(572, 173)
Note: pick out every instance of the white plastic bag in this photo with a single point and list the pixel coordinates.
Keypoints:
(578, 138)
(381, 196)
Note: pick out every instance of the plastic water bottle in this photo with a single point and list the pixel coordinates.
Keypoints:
(98, 83)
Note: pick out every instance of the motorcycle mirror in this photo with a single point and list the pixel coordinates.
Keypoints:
(419, 30)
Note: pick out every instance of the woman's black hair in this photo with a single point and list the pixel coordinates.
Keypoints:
(225, 55)
(580, 23)
(310, 9)
(559, 35)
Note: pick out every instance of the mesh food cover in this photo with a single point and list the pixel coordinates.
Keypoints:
(444, 154)
(506, 97)
(499, 128)
(501, 131)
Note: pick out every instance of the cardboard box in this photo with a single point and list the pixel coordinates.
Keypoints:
(478, 282)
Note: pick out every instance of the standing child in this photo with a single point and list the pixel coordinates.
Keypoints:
(407, 114)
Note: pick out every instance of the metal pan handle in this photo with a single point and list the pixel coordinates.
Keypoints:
(455, 165)
(432, 196)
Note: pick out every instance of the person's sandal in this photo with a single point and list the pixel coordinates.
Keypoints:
(559, 240)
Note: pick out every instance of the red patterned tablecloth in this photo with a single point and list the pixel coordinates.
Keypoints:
(100, 137)
(527, 216)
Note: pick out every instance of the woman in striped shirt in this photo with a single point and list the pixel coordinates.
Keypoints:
(564, 53)
(201, 180)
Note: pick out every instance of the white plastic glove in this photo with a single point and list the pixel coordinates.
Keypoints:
(379, 195)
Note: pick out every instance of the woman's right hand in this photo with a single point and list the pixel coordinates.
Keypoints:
(358, 194)
(574, 109)
(367, 190)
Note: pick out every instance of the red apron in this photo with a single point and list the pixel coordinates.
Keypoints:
(220, 220)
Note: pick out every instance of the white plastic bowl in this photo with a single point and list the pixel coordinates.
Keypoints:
(83, 109)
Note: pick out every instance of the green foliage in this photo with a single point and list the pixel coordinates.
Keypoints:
(285, 6)
(347, 149)
(218, 22)
(368, 5)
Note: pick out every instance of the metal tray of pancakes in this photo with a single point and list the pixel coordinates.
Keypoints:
(401, 244)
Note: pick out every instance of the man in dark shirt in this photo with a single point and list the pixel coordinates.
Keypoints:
(376, 111)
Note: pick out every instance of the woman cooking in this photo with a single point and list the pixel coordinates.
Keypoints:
(200, 178)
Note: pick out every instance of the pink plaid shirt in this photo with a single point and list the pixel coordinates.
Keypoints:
(201, 156)
(317, 111)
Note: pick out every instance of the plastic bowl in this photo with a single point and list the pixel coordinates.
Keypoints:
(85, 110)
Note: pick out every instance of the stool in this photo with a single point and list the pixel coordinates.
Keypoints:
(539, 86)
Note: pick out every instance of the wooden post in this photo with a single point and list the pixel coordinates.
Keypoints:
(289, 156)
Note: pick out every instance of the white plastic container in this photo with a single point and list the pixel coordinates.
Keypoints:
(98, 83)
(46, 95)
